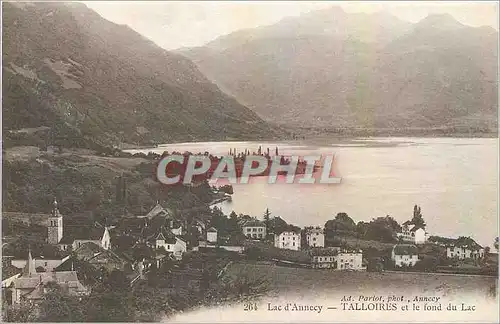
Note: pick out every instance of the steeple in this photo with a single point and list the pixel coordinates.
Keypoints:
(55, 225)
(55, 211)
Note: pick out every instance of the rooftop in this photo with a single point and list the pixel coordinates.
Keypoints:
(254, 223)
(405, 249)
(324, 251)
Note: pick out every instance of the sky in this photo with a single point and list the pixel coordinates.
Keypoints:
(176, 24)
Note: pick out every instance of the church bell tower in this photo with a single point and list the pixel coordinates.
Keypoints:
(55, 226)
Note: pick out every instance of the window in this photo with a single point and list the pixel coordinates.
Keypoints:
(293, 244)
(249, 229)
(254, 230)
(320, 259)
(314, 239)
(294, 238)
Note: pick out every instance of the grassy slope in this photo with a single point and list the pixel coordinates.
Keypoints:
(285, 280)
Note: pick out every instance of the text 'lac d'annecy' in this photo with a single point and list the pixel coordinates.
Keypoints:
(238, 169)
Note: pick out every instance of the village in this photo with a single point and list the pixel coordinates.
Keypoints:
(139, 246)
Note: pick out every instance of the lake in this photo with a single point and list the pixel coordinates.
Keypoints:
(454, 180)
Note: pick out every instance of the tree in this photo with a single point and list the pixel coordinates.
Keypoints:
(22, 313)
(417, 219)
(277, 225)
(58, 306)
(427, 263)
(496, 243)
(382, 229)
(342, 223)
(361, 229)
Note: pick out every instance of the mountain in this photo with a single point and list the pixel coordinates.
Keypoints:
(336, 69)
(89, 81)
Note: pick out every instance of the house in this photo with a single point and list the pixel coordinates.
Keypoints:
(288, 240)
(324, 258)
(254, 229)
(315, 237)
(411, 233)
(9, 271)
(464, 248)
(157, 210)
(31, 286)
(336, 259)
(74, 235)
(98, 257)
(47, 264)
(172, 243)
(404, 255)
(176, 229)
(212, 235)
(350, 260)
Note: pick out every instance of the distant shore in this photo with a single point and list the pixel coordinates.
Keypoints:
(337, 138)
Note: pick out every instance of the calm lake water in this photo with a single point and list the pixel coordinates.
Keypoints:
(454, 180)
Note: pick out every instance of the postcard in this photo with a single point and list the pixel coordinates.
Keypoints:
(250, 161)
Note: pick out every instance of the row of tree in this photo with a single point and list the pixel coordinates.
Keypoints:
(383, 229)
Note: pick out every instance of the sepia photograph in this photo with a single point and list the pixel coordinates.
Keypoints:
(250, 161)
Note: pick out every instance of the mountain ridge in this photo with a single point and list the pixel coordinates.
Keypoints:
(419, 76)
(68, 68)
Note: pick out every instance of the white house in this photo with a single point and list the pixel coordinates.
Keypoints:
(404, 255)
(254, 229)
(413, 233)
(171, 243)
(350, 260)
(324, 258)
(315, 237)
(464, 248)
(177, 231)
(336, 259)
(287, 240)
(212, 235)
(97, 235)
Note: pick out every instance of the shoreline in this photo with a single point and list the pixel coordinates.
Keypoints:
(336, 137)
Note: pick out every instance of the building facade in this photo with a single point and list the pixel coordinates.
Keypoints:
(315, 237)
(254, 229)
(464, 248)
(413, 234)
(287, 240)
(212, 235)
(404, 255)
(350, 260)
